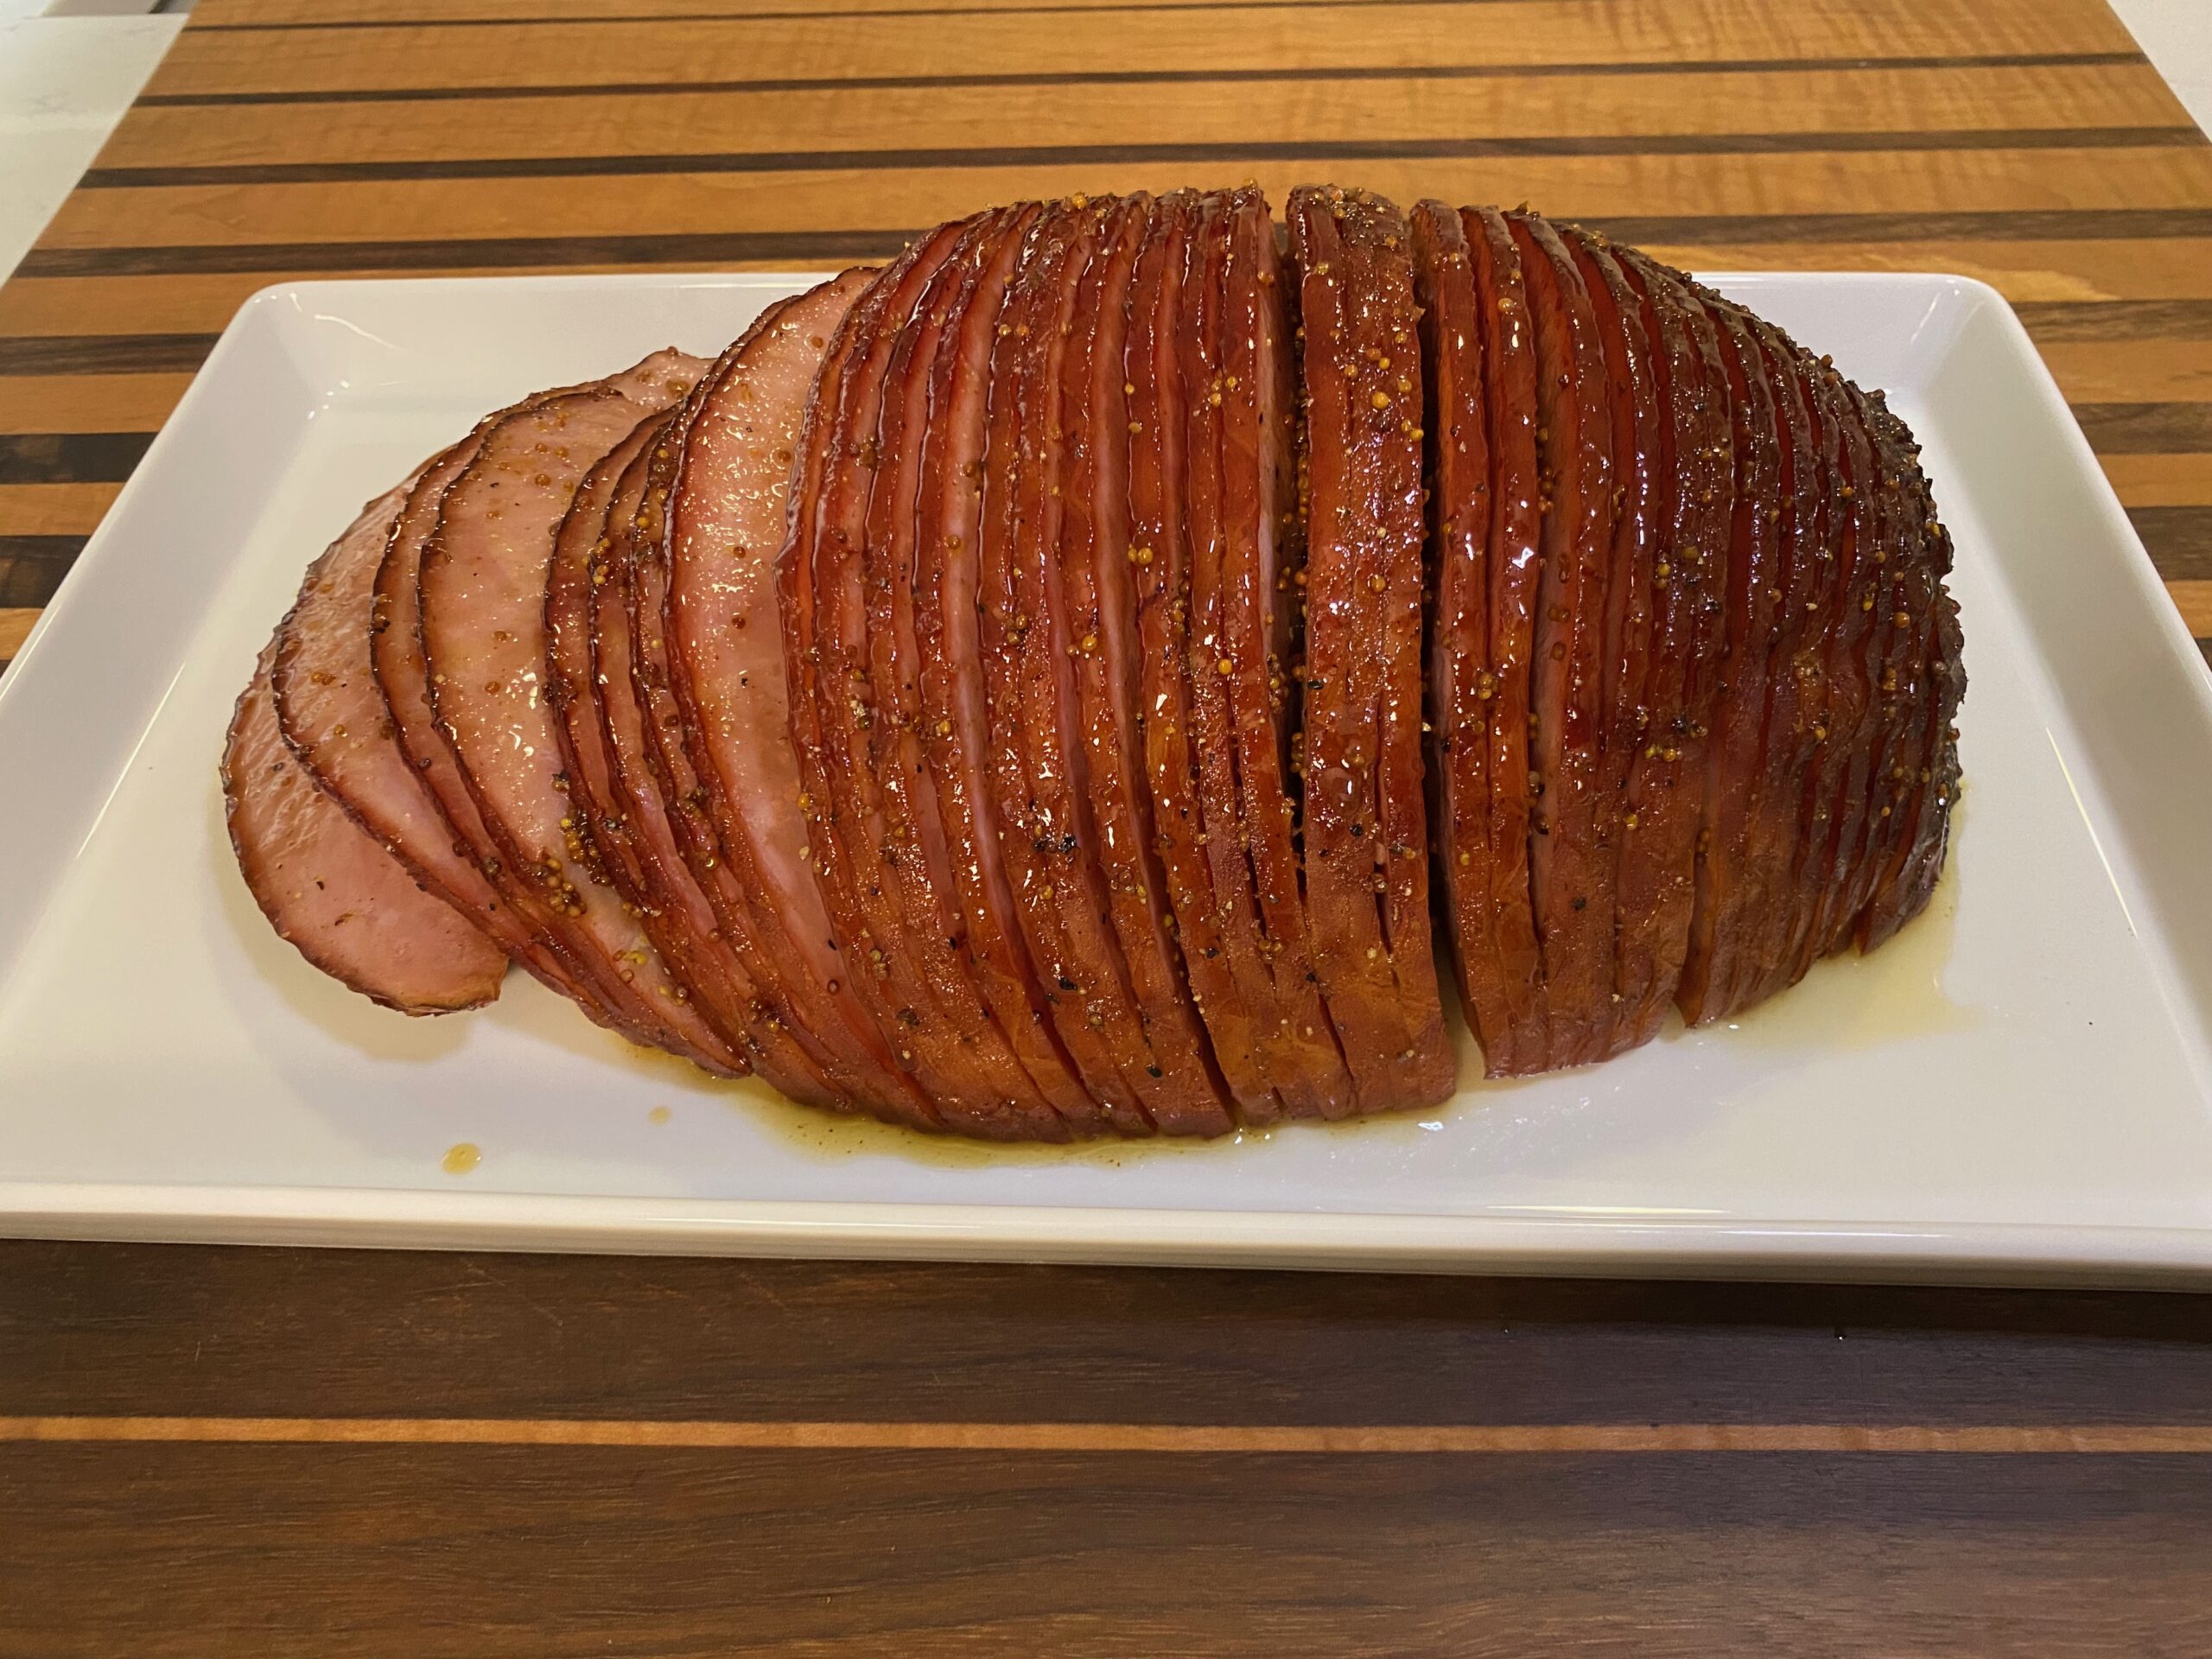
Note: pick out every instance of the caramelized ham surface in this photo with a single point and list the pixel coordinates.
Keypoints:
(1030, 691)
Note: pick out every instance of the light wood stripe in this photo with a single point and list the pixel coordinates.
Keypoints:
(1851, 103)
(55, 509)
(2119, 371)
(2100, 1439)
(882, 199)
(1514, 31)
(1212, 72)
(265, 14)
(2156, 480)
(86, 403)
(2194, 599)
(15, 628)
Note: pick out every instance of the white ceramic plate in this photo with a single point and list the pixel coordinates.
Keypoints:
(2016, 1087)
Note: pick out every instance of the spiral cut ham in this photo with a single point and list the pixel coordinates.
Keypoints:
(1118, 667)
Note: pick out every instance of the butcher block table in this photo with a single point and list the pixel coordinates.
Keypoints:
(273, 1451)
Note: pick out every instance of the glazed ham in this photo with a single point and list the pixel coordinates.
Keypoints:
(1073, 680)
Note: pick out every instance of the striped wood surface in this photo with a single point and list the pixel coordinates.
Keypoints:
(286, 1453)
(2025, 141)
(223, 1451)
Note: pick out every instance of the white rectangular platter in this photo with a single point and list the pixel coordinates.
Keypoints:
(2018, 1088)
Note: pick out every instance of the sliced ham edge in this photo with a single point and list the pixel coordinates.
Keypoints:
(1515, 559)
(1058, 1049)
(1023, 640)
(1158, 423)
(1090, 566)
(868, 703)
(1361, 711)
(1262, 560)
(329, 887)
(729, 506)
(480, 616)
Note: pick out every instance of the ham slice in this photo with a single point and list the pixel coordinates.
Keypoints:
(1515, 1039)
(855, 454)
(1366, 828)
(1463, 679)
(1727, 890)
(658, 794)
(1235, 361)
(729, 502)
(901, 816)
(1089, 573)
(480, 616)
(1161, 292)
(1573, 870)
(327, 885)
(335, 718)
(1694, 505)
(1064, 1055)
(625, 836)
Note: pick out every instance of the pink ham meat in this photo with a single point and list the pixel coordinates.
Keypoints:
(656, 793)
(623, 836)
(325, 885)
(728, 501)
(336, 720)
(445, 816)
(480, 618)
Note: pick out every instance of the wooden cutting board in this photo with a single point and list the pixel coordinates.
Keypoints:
(234, 1451)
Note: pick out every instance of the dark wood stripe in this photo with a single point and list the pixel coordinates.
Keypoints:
(125, 1330)
(31, 567)
(810, 247)
(799, 247)
(823, 161)
(104, 353)
(70, 457)
(505, 1552)
(2205, 646)
(2178, 539)
(1152, 77)
(1184, 1440)
(2093, 320)
(2146, 429)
